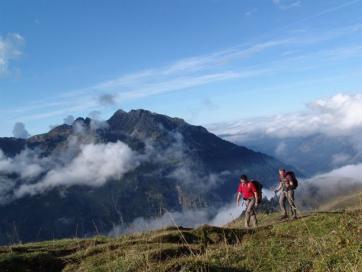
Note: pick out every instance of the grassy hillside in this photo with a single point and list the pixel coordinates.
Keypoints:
(325, 241)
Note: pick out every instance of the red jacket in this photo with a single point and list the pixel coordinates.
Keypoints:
(247, 189)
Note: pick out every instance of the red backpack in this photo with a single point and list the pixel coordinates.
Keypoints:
(259, 190)
(293, 178)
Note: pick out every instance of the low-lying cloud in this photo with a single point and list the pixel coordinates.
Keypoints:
(93, 166)
(328, 187)
(188, 218)
(334, 116)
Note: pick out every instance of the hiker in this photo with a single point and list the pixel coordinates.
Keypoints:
(287, 184)
(249, 192)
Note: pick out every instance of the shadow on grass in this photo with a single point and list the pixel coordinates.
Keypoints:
(41, 262)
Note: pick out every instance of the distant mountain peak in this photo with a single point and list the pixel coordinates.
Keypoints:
(143, 119)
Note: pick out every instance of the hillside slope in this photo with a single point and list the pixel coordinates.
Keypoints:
(329, 241)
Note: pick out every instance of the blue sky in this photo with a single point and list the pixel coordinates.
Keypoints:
(204, 61)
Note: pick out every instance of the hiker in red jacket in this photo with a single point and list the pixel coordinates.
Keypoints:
(248, 191)
(287, 184)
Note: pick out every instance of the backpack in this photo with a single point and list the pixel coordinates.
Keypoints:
(259, 189)
(293, 178)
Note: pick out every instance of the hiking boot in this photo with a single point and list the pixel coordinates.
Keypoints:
(283, 217)
(295, 216)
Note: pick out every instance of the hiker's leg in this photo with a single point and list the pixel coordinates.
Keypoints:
(254, 219)
(282, 200)
(290, 195)
(253, 212)
(248, 210)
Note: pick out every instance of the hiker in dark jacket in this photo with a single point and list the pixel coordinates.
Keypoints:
(248, 192)
(287, 184)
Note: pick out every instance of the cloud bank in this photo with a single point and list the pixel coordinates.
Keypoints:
(93, 166)
(187, 218)
(327, 187)
(340, 114)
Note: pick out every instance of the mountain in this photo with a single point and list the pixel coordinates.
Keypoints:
(88, 177)
(312, 154)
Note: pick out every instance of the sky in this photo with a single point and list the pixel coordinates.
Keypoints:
(207, 61)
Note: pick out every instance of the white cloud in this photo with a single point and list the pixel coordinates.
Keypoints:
(287, 4)
(349, 171)
(27, 164)
(337, 115)
(10, 49)
(93, 166)
(327, 187)
(188, 218)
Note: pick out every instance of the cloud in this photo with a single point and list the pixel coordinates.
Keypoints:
(335, 8)
(95, 115)
(349, 171)
(107, 99)
(68, 120)
(27, 164)
(327, 187)
(10, 49)
(96, 122)
(187, 218)
(287, 4)
(19, 131)
(93, 166)
(337, 115)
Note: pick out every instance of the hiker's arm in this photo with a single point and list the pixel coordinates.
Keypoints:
(256, 198)
(290, 181)
(238, 196)
(279, 187)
